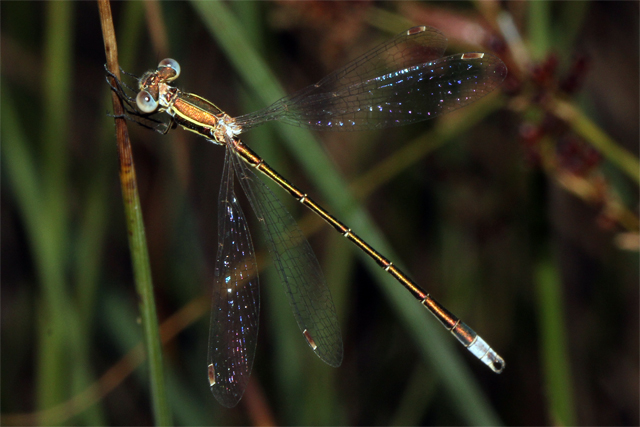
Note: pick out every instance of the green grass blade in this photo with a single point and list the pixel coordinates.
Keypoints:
(539, 28)
(57, 315)
(557, 369)
(54, 198)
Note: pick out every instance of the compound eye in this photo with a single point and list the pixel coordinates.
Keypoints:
(146, 103)
(171, 64)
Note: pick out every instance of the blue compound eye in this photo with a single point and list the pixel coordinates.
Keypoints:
(146, 103)
(172, 64)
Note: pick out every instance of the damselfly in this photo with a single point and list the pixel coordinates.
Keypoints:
(402, 81)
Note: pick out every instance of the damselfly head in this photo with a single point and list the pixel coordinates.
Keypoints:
(150, 82)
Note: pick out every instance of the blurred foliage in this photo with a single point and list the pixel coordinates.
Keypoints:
(519, 213)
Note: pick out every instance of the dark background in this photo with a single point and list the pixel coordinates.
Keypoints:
(518, 221)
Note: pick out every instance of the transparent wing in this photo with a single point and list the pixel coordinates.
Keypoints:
(402, 81)
(236, 299)
(297, 266)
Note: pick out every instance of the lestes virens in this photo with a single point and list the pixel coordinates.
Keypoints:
(402, 81)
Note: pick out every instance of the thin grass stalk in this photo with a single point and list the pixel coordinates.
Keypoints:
(539, 28)
(556, 366)
(591, 132)
(322, 403)
(136, 233)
